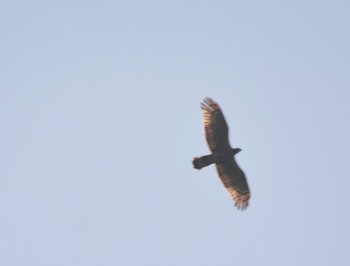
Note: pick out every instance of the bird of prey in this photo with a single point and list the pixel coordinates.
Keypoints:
(231, 175)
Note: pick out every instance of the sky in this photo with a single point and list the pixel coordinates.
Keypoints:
(100, 119)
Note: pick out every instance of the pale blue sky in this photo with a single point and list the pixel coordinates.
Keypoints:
(100, 119)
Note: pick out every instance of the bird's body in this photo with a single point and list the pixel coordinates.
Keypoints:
(216, 157)
(216, 132)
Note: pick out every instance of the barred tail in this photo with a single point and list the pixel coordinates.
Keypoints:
(200, 162)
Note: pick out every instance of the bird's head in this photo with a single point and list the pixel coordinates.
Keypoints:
(236, 150)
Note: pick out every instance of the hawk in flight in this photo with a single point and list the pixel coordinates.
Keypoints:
(231, 175)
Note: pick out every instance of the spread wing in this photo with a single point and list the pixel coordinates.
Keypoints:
(216, 129)
(235, 182)
(216, 132)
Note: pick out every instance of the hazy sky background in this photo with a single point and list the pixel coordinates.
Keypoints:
(100, 119)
